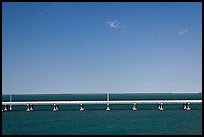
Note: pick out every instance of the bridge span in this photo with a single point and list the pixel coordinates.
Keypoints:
(30, 104)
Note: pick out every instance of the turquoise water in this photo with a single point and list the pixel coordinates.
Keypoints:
(95, 120)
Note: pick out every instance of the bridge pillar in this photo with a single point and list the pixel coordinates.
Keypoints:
(134, 107)
(81, 108)
(184, 106)
(28, 108)
(31, 107)
(160, 107)
(55, 107)
(5, 108)
(188, 107)
(10, 107)
(108, 108)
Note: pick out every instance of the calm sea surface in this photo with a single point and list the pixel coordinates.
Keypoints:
(95, 120)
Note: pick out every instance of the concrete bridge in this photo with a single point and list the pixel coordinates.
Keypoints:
(30, 104)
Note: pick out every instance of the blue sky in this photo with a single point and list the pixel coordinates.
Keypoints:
(50, 47)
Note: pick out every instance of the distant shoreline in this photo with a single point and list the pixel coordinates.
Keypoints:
(104, 93)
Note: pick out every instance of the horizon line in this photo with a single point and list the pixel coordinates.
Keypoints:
(101, 93)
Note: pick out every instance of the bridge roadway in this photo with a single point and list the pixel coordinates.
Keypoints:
(104, 102)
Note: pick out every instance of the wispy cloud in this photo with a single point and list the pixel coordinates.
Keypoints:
(182, 31)
(113, 23)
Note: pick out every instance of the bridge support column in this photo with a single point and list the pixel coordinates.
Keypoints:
(188, 107)
(81, 108)
(28, 108)
(5, 108)
(31, 107)
(184, 106)
(160, 107)
(134, 107)
(108, 108)
(10, 107)
(55, 107)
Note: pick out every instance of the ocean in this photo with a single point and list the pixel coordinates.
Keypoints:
(95, 120)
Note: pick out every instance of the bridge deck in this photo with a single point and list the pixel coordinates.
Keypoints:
(105, 102)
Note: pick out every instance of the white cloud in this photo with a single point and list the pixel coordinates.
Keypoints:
(113, 23)
(182, 31)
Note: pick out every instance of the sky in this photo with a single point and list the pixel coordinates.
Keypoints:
(95, 47)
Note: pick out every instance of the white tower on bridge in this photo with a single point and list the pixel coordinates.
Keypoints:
(108, 99)
(10, 102)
